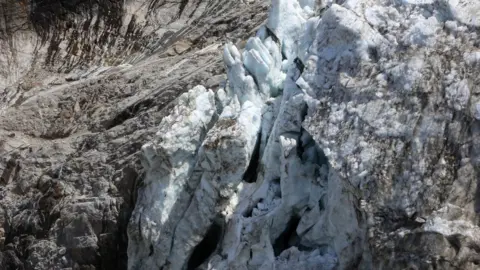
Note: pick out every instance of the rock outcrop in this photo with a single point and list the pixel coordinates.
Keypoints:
(345, 138)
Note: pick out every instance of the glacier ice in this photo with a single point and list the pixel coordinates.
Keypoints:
(185, 191)
(311, 109)
(169, 162)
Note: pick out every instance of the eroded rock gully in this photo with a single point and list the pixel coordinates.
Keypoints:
(344, 137)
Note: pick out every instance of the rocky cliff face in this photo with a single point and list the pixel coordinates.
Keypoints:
(340, 135)
(73, 120)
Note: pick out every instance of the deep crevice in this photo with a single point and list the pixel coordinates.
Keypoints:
(206, 247)
(398, 220)
(183, 5)
(249, 211)
(11, 171)
(274, 37)
(276, 183)
(54, 135)
(455, 241)
(373, 54)
(151, 250)
(130, 112)
(309, 150)
(299, 64)
(321, 204)
(288, 237)
(251, 175)
(271, 34)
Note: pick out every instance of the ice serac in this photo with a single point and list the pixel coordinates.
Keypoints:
(169, 162)
(177, 206)
(345, 137)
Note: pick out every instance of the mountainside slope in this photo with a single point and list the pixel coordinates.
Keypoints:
(72, 120)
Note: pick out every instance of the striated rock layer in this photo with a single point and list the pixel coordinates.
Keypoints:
(344, 138)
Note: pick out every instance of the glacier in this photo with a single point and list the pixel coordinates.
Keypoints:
(326, 148)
